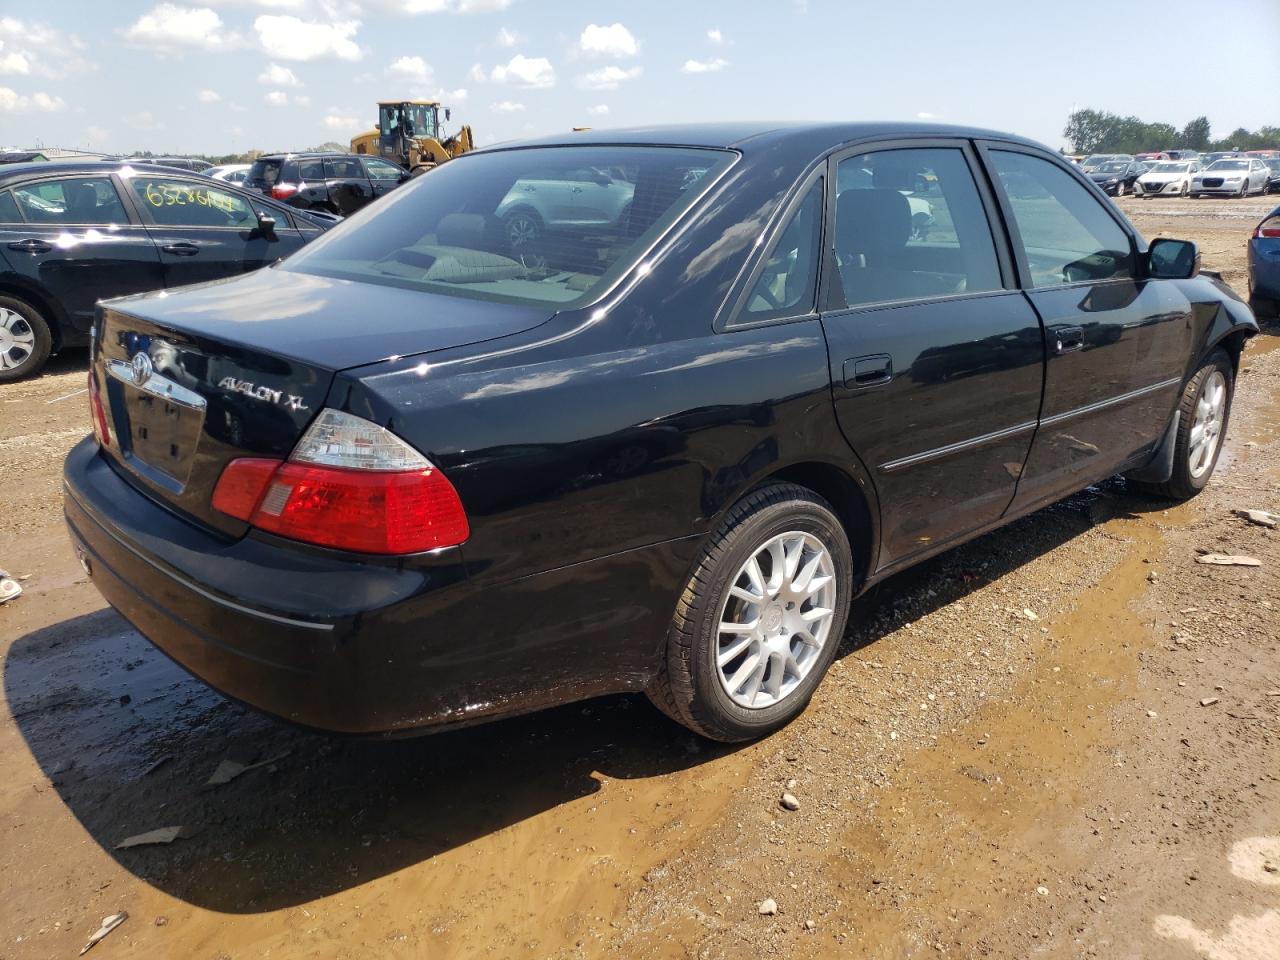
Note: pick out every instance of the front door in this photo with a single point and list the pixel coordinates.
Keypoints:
(1118, 344)
(205, 231)
(72, 238)
(936, 363)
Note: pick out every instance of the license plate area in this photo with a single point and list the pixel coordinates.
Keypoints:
(164, 421)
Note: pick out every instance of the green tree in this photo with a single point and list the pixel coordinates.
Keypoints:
(1087, 130)
(1195, 135)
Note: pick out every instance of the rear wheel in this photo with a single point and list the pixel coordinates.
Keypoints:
(25, 339)
(1186, 189)
(1204, 412)
(523, 227)
(760, 619)
(1120, 189)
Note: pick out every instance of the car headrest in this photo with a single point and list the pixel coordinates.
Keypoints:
(82, 200)
(872, 221)
(461, 230)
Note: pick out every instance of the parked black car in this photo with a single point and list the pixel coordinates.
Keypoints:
(341, 183)
(75, 232)
(423, 474)
(1117, 177)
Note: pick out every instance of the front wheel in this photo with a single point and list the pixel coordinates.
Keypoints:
(760, 619)
(25, 339)
(1120, 189)
(1203, 414)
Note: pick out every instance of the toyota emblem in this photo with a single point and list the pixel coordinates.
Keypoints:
(142, 368)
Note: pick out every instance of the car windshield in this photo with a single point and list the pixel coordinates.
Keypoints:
(540, 225)
(1096, 159)
(1113, 166)
(1170, 168)
(1230, 165)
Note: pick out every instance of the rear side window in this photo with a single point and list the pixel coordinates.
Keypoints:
(265, 171)
(538, 225)
(910, 225)
(311, 170)
(1066, 234)
(9, 209)
(182, 203)
(341, 168)
(82, 200)
(786, 284)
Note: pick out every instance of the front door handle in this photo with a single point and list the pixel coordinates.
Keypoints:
(181, 249)
(1067, 339)
(871, 371)
(31, 246)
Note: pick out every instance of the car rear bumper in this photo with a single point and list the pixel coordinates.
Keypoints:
(1264, 268)
(331, 642)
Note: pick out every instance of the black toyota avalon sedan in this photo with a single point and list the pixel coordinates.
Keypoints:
(433, 469)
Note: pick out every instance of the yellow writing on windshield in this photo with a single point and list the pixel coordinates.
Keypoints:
(177, 195)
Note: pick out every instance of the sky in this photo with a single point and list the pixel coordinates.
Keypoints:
(225, 76)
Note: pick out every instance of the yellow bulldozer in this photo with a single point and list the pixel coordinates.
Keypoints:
(408, 133)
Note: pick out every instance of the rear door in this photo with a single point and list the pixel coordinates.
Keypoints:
(936, 359)
(349, 187)
(74, 238)
(205, 230)
(1118, 344)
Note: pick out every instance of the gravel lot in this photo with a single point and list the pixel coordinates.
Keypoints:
(1058, 740)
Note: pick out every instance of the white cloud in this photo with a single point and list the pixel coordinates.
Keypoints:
(338, 121)
(208, 96)
(411, 68)
(715, 36)
(614, 40)
(169, 28)
(415, 7)
(508, 38)
(278, 76)
(926, 115)
(13, 102)
(449, 97)
(28, 47)
(608, 78)
(477, 73)
(277, 98)
(291, 38)
(507, 106)
(599, 110)
(524, 71)
(704, 66)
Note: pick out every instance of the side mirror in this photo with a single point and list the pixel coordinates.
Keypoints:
(266, 224)
(1172, 260)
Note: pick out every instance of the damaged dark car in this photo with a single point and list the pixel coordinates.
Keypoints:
(433, 470)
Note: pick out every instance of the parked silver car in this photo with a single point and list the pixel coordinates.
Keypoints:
(229, 172)
(1168, 178)
(1237, 177)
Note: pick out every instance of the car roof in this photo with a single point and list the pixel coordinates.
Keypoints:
(19, 171)
(305, 155)
(749, 135)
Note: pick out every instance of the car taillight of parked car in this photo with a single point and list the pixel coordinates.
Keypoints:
(1268, 228)
(101, 428)
(350, 485)
(283, 191)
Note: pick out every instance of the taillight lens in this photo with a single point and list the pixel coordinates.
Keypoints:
(350, 485)
(98, 412)
(1268, 228)
(283, 191)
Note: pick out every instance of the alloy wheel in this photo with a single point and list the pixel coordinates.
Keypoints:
(776, 619)
(521, 229)
(1206, 428)
(17, 339)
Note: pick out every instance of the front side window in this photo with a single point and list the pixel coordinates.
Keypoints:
(786, 285)
(183, 203)
(910, 225)
(1067, 236)
(82, 200)
(472, 228)
(381, 170)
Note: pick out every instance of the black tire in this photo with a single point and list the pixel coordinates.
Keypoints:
(1183, 484)
(20, 360)
(688, 687)
(1264, 308)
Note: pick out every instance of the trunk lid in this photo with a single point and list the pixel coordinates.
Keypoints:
(239, 368)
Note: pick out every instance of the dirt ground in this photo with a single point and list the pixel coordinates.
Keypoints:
(1061, 740)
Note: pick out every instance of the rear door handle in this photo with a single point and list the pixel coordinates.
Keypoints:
(31, 246)
(1067, 339)
(871, 371)
(181, 249)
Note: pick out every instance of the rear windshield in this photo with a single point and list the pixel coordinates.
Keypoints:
(541, 225)
(265, 171)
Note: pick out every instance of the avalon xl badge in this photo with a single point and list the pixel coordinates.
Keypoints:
(288, 400)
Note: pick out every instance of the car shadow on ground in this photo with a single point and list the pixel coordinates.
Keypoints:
(129, 741)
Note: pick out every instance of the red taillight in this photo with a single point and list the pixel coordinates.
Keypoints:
(101, 428)
(364, 511)
(283, 191)
(1268, 228)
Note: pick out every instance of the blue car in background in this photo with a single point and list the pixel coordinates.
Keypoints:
(1264, 267)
